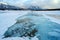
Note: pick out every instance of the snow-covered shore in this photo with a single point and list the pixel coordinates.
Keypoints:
(8, 18)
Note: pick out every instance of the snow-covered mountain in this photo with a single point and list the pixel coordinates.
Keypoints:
(5, 6)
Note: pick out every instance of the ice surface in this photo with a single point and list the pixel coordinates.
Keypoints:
(52, 19)
(56, 30)
(55, 34)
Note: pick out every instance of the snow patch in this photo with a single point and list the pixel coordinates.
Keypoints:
(20, 38)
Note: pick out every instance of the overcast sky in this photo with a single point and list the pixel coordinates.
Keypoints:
(41, 3)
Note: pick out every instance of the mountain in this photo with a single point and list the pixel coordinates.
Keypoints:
(34, 8)
(8, 7)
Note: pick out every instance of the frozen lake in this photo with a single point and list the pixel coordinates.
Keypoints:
(8, 18)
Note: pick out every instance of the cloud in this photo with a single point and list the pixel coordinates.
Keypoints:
(45, 3)
(13, 2)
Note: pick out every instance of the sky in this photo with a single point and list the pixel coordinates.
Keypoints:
(13, 2)
(41, 3)
(45, 3)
